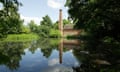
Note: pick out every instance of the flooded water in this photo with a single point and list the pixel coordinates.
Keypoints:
(56, 55)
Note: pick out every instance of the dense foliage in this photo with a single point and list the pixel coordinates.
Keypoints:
(101, 18)
(10, 22)
(46, 28)
(32, 26)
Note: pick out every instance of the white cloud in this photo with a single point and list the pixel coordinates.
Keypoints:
(56, 3)
(28, 19)
(53, 62)
(58, 68)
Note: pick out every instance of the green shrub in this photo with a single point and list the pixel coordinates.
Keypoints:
(54, 33)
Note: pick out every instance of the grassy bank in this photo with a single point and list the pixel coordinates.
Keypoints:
(20, 37)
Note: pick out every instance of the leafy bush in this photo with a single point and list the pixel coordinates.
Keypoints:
(54, 33)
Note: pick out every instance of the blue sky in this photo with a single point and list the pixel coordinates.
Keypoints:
(36, 9)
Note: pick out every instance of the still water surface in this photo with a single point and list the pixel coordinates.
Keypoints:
(47, 55)
(58, 55)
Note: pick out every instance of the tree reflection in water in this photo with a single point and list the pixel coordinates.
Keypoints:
(98, 57)
(92, 56)
(10, 54)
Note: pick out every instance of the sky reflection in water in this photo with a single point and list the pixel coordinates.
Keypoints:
(37, 59)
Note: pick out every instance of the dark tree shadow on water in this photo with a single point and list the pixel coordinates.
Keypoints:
(97, 56)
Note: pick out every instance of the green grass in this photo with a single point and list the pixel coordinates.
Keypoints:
(20, 37)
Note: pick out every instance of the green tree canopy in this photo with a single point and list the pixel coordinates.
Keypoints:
(10, 21)
(100, 17)
(45, 26)
(46, 21)
(32, 26)
(65, 21)
(55, 25)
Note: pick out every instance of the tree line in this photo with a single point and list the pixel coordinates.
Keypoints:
(11, 23)
(46, 28)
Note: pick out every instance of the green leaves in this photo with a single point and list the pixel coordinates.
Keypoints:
(96, 15)
(67, 2)
(46, 21)
(43, 29)
(10, 21)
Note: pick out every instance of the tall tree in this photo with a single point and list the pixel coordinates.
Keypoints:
(9, 17)
(46, 21)
(65, 21)
(32, 26)
(99, 17)
(55, 25)
(45, 26)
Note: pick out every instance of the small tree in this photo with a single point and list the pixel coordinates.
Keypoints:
(32, 26)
